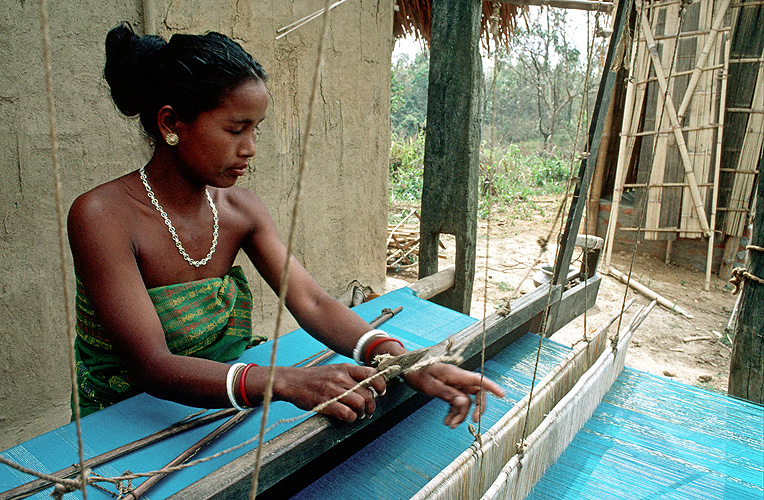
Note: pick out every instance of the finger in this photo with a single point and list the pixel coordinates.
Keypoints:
(360, 373)
(357, 402)
(340, 411)
(460, 402)
(480, 405)
(492, 387)
(370, 402)
(379, 385)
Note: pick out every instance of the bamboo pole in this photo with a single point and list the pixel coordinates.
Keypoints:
(717, 167)
(680, 142)
(701, 61)
(595, 191)
(650, 294)
(622, 166)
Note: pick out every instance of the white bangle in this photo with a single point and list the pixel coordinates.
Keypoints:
(229, 384)
(366, 337)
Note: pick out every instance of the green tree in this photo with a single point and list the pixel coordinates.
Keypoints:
(408, 95)
(540, 86)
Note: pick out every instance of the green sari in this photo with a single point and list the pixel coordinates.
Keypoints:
(210, 318)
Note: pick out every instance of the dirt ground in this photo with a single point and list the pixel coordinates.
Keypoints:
(693, 351)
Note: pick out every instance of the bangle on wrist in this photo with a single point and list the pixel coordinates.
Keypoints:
(359, 350)
(229, 384)
(374, 343)
(243, 385)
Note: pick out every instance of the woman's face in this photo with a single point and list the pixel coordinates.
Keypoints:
(216, 146)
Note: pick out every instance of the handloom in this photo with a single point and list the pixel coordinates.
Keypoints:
(143, 415)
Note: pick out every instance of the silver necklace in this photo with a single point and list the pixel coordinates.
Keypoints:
(168, 223)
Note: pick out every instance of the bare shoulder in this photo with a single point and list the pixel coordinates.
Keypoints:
(245, 207)
(102, 222)
(102, 206)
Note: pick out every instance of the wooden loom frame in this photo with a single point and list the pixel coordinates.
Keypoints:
(549, 306)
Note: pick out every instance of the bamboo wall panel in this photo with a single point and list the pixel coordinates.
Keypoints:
(742, 142)
(672, 169)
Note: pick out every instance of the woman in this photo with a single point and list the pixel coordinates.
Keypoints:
(152, 318)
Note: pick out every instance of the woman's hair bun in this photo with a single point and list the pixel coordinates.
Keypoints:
(130, 66)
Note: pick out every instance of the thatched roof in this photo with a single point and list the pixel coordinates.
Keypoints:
(412, 17)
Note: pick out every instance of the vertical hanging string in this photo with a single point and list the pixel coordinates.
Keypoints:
(563, 204)
(495, 19)
(62, 237)
(283, 285)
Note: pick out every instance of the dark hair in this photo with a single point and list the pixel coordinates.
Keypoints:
(191, 73)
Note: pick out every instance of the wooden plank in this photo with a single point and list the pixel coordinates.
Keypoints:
(452, 145)
(747, 41)
(298, 447)
(566, 4)
(579, 298)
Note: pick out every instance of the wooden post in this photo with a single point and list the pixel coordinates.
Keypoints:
(452, 145)
(746, 378)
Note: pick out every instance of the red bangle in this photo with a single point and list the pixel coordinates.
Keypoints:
(243, 385)
(374, 343)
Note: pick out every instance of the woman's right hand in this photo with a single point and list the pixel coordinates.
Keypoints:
(307, 388)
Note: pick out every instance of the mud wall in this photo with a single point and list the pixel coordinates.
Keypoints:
(341, 230)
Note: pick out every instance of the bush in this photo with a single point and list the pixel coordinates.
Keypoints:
(509, 177)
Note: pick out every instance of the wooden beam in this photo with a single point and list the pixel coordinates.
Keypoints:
(452, 145)
(746, 378)
(566, 4)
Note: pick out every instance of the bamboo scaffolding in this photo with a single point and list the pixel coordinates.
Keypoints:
(699, 100)
(703, 57)
(738, 171)
(660, 230)
(747, 160)
(658, 166)
(664, 184)
(652, 79)
(746, 4)
(674, 119)
(645, 133)
(687, 34)
(750, 111)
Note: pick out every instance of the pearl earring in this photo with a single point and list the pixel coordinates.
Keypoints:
(172, 139)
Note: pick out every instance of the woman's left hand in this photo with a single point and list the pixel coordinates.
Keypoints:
(456, 387)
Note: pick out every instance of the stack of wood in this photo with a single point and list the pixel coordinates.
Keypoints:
(402, 245)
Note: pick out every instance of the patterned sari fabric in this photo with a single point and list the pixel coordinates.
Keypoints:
(210, 318)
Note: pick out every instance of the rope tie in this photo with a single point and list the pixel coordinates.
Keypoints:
(64, 487)
(739, 276)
